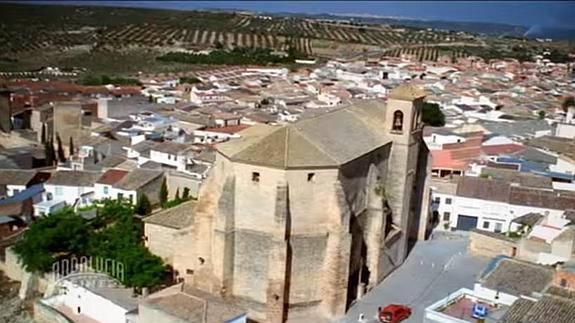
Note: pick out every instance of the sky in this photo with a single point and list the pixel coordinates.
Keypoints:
(525, 13)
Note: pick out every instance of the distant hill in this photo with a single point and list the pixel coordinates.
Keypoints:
(115, 39)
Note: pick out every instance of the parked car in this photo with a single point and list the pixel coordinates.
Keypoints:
(393, 313)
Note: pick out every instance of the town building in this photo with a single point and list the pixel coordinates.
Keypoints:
(333, 199)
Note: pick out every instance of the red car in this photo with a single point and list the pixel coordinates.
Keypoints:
(393, 313)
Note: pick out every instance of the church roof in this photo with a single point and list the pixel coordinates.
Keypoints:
(328, 140)
(406, 92)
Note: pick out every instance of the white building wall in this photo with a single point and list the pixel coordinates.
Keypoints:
(490, 294)
(93, 305)
(565, 130)
(69, 194)
(563, 166)
(164, 158)
(488, 213)
(11, 190)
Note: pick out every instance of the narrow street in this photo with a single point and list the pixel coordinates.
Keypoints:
(433, 269)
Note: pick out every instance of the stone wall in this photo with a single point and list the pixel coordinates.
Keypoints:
(160, 241)
(11, 266)
(529, 249)
(251, 265)
(178, 181)
(488, 244)
(67, 120)
(308, 253)
(45, 314)
(152, 190)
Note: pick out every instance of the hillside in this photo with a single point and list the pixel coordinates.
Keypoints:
(127, 39)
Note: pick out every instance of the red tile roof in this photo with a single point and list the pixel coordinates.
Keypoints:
(444, 159)
(112, 176)
(493, 150)
(229, 129)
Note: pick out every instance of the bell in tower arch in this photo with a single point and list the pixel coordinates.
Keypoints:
(397, 121)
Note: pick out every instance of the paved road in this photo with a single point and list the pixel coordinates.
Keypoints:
(433, 269)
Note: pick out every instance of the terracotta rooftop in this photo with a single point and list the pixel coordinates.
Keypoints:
(112, 176)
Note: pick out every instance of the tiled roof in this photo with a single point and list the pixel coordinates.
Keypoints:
(170, 147)
(328, 140)
(529, 219)
(483, 188)
(517, 277)
(74, 178)
(16, 176)
(517, 311)
(112, 176)
(228, 129)
(177, 217)
(445, 160)
(548, 309)
(502, 149)
(193, 305)
(138, 178)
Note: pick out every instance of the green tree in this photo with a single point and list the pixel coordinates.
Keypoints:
(177, 198)
(143, 206)
(163, 193)
(567, 103)
(114, 234)
(49, 153)
(186, 194)
(61, 155)
(43, 134)
(432, 115)
(541, 114)
(71, 146)
(56, 235)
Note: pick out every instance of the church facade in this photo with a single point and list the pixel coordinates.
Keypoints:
(306, 217)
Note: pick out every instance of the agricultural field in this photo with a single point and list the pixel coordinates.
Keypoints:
(32, 36)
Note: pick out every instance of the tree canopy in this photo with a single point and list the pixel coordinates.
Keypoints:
(432, 115)
(113, 234)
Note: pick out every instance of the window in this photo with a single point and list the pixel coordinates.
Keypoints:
(58, 191)
(255, 177)
(563, 282)
(131, 198)
(397, 121)
(498, 227)
(447, 201)
(106, 189)
(120, 196)
(310, 176)
(486, 225)
(437, 200)
(446, 216)
(189, 271)
(16, 192)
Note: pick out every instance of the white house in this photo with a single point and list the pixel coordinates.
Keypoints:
(440, 137)
(170, 154)
(491, 205)
(95, 304)
(75, 188)
(214, 135)
(14, 181)
(137, 182)
(496, 291)
(103, 188)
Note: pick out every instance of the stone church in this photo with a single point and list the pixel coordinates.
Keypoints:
(306, 217)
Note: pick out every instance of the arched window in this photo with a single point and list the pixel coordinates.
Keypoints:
(397, 121)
